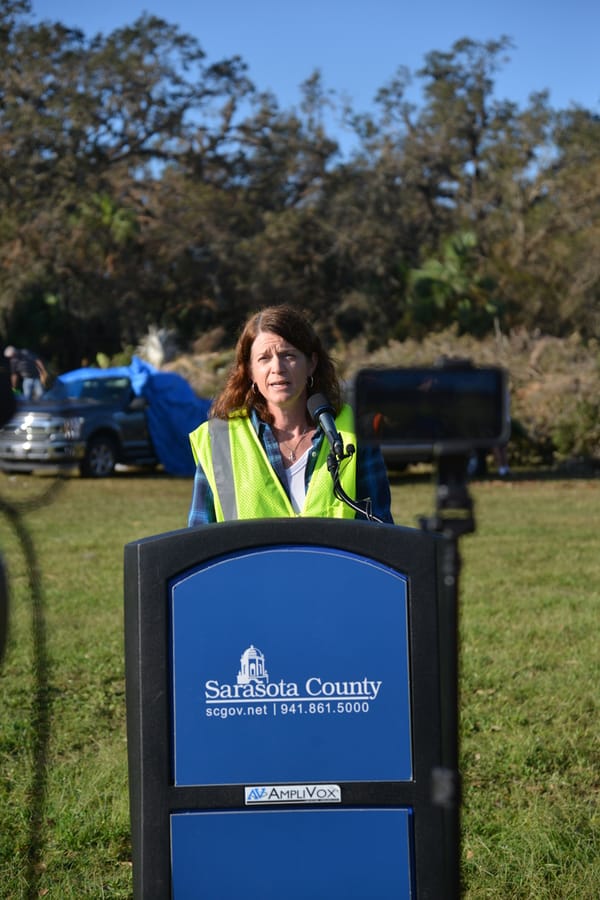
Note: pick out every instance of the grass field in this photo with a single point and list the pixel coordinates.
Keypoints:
(530, 754)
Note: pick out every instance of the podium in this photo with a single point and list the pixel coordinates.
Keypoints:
(291, 712)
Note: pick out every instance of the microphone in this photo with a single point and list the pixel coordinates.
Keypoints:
(321, 412)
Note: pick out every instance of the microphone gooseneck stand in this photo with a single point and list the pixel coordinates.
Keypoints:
(323, 415)
(333, 467)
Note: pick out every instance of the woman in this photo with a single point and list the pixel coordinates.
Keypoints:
(259, 454)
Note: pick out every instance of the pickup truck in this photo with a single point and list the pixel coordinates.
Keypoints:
(90, 424)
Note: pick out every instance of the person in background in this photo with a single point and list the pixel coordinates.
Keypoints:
(259, 454)
(27, 372)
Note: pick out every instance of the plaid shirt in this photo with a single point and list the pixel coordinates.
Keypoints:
(371, 477)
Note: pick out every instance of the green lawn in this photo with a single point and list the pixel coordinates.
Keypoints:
(530, 592)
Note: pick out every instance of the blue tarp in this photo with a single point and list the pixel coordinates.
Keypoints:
(173, 409)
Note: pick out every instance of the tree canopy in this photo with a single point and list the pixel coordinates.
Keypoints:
(142, 185)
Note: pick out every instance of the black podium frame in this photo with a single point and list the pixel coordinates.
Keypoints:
(421, 556)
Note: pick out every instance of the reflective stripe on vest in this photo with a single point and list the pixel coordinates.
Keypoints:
(232, 457)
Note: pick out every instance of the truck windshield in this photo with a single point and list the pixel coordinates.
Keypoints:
(104, 390)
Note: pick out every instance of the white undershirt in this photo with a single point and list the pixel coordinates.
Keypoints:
(295, 480)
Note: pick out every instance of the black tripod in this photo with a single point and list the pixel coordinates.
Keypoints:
(453, 518)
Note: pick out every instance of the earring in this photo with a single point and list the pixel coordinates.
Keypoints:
(310, 382)
(254, 387)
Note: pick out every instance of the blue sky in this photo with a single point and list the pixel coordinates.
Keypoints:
(358, 44)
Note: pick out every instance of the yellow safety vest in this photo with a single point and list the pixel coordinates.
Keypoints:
(233, 457)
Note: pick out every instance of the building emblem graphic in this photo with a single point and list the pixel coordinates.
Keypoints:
(252, 667)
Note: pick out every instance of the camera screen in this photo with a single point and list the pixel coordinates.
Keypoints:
(447, 408)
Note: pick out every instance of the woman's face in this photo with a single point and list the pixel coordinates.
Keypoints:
(280, 371)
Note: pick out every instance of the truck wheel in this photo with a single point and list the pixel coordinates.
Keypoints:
(100, 457)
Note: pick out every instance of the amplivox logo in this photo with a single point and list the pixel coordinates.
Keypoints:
(293, 793)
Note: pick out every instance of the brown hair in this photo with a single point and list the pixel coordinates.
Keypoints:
(293, 326)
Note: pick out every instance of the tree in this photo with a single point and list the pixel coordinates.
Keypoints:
(94, 121)
(142, 186)
(451, 290)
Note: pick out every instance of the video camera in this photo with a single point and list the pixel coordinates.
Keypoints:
(449, 409)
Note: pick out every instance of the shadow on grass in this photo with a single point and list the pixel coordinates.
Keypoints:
(41, 713)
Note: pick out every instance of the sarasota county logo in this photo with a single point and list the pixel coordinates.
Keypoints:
(252, 667)
(253, 683)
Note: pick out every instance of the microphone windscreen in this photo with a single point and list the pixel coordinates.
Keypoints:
(317, 404)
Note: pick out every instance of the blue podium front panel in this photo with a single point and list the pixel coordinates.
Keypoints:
(290, 664)
(352, 854)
